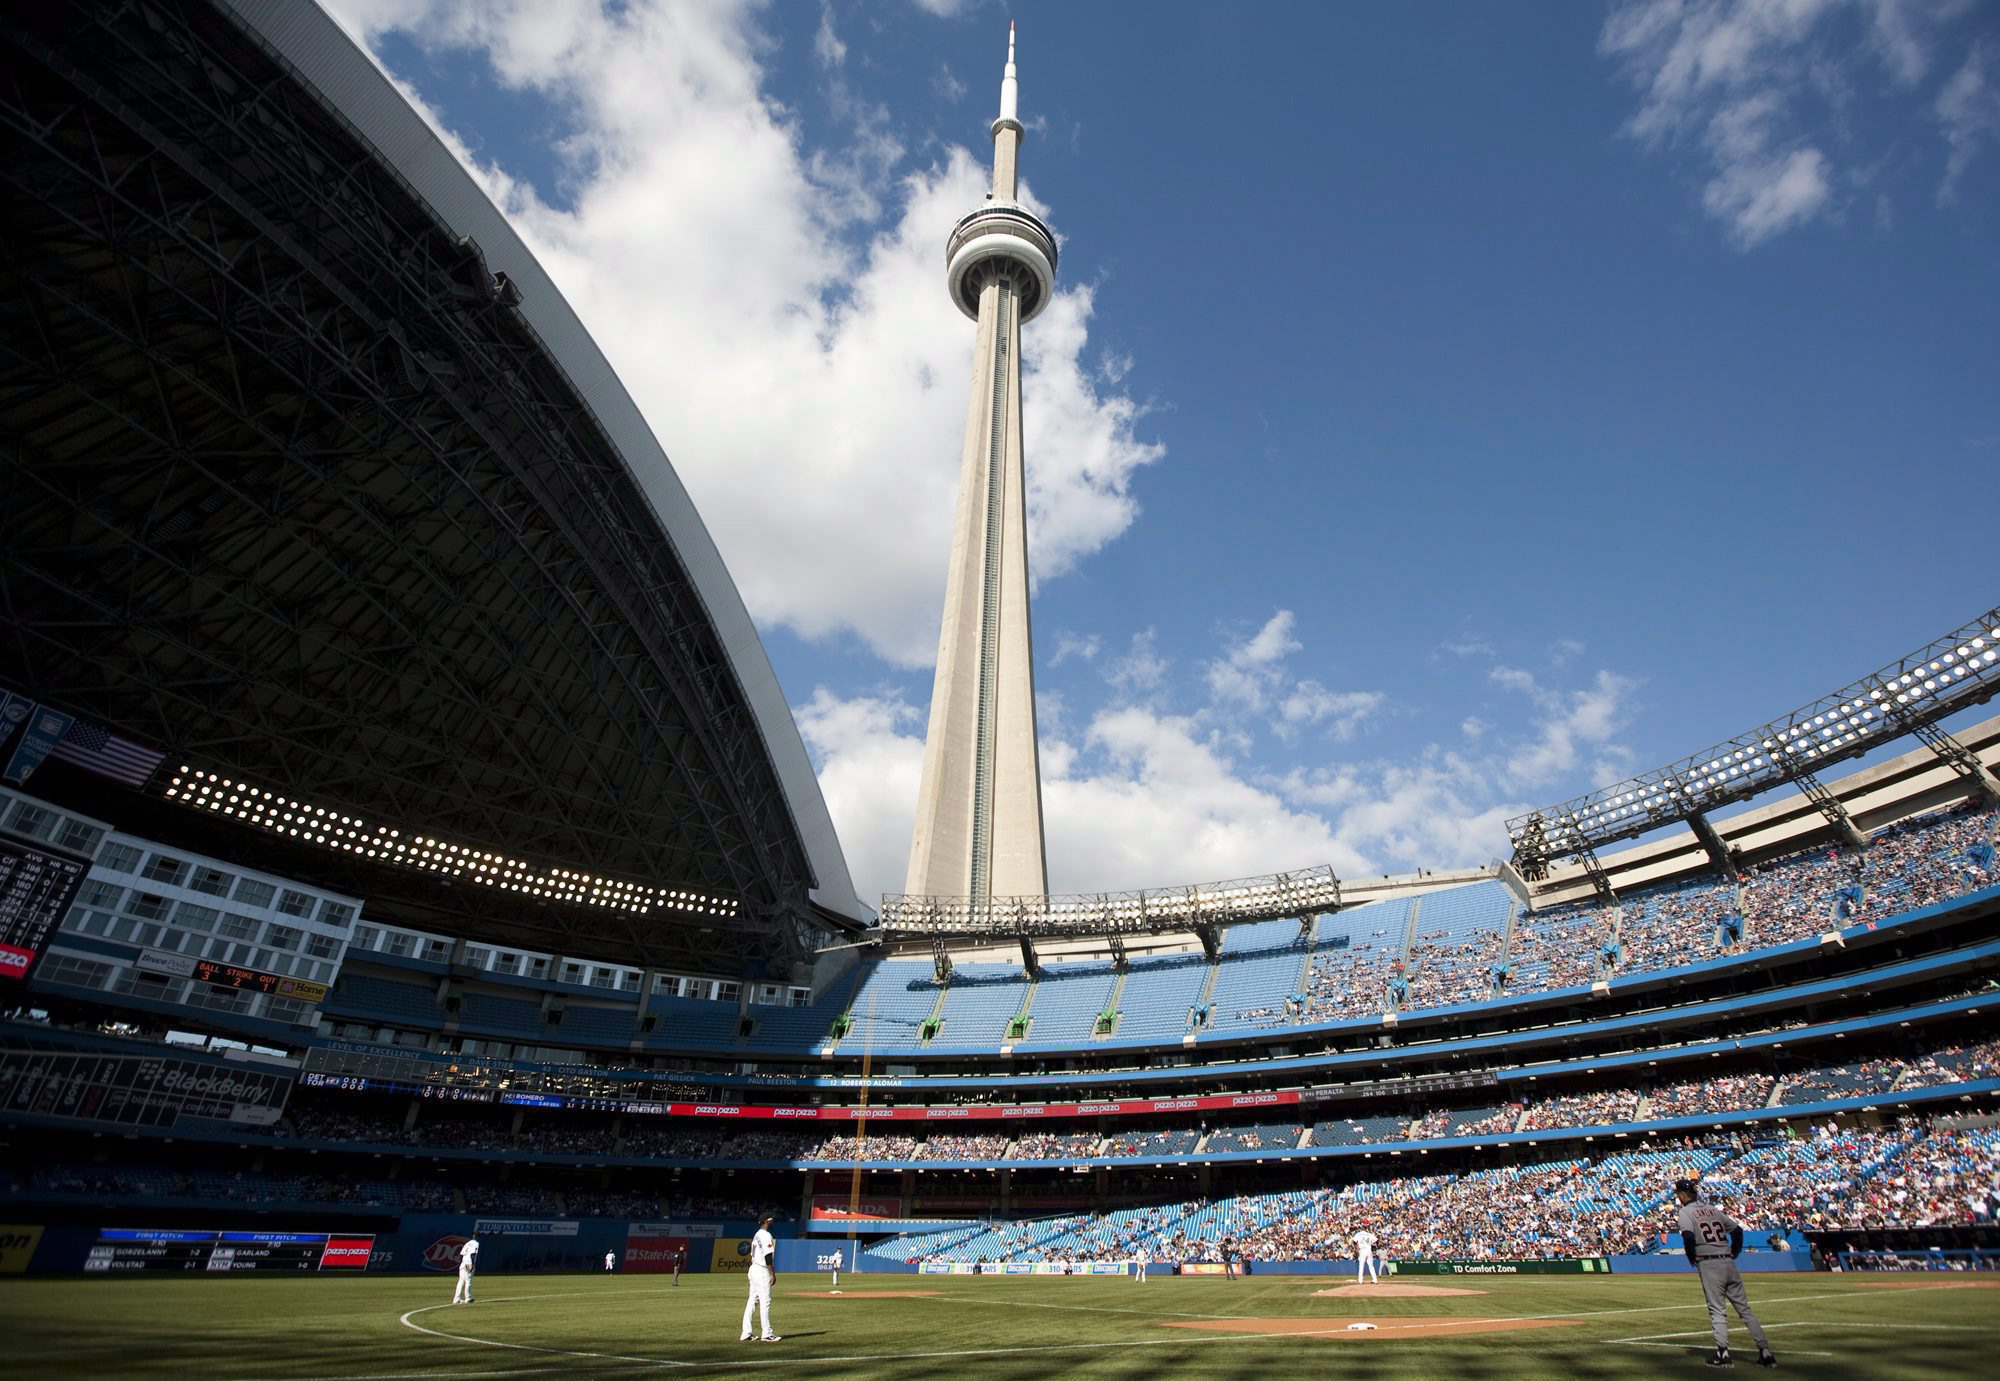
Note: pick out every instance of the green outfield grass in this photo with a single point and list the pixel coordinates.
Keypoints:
(1631, 1326)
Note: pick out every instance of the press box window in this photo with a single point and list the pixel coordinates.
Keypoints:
(119, 858)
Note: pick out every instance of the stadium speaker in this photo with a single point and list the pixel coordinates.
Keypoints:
(745, 1025)
(648, 1022)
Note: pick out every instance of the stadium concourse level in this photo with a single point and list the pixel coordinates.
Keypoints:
(1463, 947)
(328, 1122)
(1912, 1173)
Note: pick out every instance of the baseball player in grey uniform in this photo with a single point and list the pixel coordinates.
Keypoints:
(1712, 1239)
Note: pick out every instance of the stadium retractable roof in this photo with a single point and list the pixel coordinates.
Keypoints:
(316, 482)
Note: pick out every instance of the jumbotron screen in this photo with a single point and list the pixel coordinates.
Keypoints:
(175, 1249)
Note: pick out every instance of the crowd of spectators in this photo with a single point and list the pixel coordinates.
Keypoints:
(963, 1146)
(1054, 1146)
(494, 1196)
(1914, 863)
(1910, 1174)
(1598, 1108)
(1446, 974)
(1276, 1136)
(1710, 1093)
(870, 1148)
(1345, 983)
(1166, 1141)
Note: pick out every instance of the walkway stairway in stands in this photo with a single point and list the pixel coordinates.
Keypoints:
(1111, 1005)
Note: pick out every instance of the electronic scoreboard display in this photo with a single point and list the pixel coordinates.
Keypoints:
(173, 1249)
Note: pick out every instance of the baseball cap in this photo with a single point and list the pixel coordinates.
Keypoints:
(1685, 1187)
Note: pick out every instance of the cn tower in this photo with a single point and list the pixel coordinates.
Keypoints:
(979, 809)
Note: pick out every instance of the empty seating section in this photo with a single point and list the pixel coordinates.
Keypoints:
(1068, 1000)
(598, 1025)
(1359, 1131)
(895, 999)
(796, 1028)
(807, 1028)
(688, 1023)
(1461, 933)
(362, 994)
(978, 1003)
(501, 1016)
(1159, 995)
(1268, 1136)
(1256, 975)
(1355, 951)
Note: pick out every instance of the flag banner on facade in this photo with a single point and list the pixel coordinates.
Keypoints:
(40, 736)
(96, 749)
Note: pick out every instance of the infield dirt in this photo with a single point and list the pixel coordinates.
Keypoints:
(1384, 1328)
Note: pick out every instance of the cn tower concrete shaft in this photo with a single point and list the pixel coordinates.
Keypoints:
(979, 809)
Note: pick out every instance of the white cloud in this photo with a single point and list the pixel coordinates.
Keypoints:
(777, 312)
(1139, 669)
(1072, 645)
(1136, 793)
(1252, 676)
(827, 47)
(1762, 87)
(1573, 729)
(1968, 109)
(869, 753)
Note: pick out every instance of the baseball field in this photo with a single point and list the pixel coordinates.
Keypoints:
(927, 1327)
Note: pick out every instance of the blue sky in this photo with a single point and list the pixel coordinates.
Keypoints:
(1449, 408)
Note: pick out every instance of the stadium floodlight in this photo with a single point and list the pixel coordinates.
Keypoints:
(310, 824)
(1907, 697)
(1305, 892)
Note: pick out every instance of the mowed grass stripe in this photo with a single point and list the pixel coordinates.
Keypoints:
(1078, 1328)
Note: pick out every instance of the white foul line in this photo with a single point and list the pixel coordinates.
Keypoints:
(768, 1361)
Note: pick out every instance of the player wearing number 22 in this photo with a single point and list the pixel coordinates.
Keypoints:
(1712, 1240)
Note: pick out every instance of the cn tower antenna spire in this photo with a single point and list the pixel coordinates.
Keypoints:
(978, 836)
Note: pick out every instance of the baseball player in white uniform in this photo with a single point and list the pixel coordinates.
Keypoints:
(1138, 1265)
(839, 1257)
(1712, 1239)
(468, 1264)
(1365, 1265)
(763, 1248)
(611, 1261)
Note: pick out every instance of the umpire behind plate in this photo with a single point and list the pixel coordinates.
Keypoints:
(1712, 1240)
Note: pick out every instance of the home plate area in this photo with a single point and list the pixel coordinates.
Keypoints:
(1348, 1329)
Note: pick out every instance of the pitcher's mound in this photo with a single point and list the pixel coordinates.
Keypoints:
(1392, 1291)
(861, 1294)
(1335, 1329)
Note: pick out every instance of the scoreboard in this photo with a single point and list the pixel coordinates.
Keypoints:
(172, 1249)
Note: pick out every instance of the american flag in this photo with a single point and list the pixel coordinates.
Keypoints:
(95, 748)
